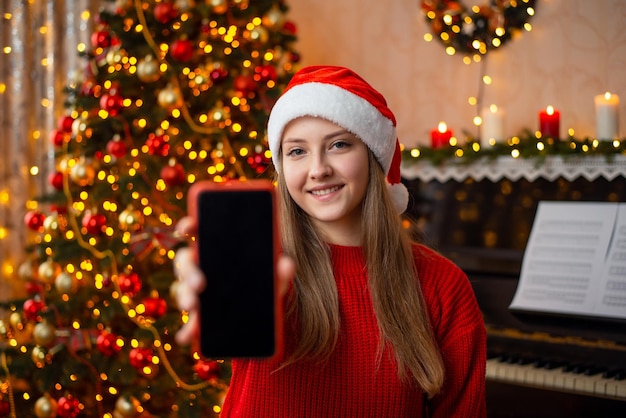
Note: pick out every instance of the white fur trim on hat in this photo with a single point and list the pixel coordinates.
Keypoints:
(336, 105)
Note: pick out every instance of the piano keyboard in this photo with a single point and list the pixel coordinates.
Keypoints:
(585, 380)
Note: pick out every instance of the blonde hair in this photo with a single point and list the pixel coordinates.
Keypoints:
(398, 302)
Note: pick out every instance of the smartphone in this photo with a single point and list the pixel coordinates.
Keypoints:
(237, 246)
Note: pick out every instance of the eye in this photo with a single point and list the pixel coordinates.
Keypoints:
(340, 144)
(294, 152)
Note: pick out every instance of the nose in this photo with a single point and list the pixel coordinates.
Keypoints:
(320, 167)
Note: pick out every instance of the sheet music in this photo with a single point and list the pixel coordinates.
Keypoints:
(574, 263)
(612, 297)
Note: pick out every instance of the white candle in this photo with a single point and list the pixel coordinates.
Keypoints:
(492, 127)
(606, 115)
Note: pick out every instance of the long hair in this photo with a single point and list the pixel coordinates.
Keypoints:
(398, 302)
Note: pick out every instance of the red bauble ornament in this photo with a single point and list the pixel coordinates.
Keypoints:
(182, 50)
(265, 73)
(258, 161)
(129, 283)
(140, 357)
(165, 12)
(33, 288)
(68, 407)
(116, 148)
(94, 223)
(112, 103)
(290, 27)
(294, 57)
(57, 137)
(173, 175)
(32, 308)
(101, 39)
(56, 180)
(5, 408)
(34, 220)
(218, 75)
(207, 369)
(65, 124)
(157, 145)
(106, 343)
(244, 84)
(155, 306)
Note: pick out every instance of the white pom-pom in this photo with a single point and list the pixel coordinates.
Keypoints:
(400, 196)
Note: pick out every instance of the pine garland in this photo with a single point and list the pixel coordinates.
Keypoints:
(525, 146)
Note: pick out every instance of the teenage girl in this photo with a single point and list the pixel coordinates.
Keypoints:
(375, 325)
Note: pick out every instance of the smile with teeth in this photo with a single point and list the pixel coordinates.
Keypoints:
(324, 192)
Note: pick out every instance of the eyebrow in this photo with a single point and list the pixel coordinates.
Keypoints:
(326, 137)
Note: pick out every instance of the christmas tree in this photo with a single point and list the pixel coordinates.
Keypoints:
(173, 92)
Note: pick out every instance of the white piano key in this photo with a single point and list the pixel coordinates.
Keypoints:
(555, 379)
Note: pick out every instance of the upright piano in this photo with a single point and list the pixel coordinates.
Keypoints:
(480, 216)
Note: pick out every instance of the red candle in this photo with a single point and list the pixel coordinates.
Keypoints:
(549, 120)
(440, 137)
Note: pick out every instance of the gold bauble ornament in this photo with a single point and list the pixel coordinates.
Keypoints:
(79, 126)
(54, 223)
(46, 407)
(83, 172)
(148, 69)
(25, 271)
(38, 356)
(170, 98)
(16, 320)
(65, 283)
(130, 219)
(242, 4)
(126, 407)
(218, 6)
(274, 18)
(44, 334)
(48, 270)
(258, 34)
(220, 113)
(184, 5)
(4, 330)
(115, 56)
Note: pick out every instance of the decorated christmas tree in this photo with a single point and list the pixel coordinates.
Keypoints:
(173, 92)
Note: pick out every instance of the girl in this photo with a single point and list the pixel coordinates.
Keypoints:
(375, 325)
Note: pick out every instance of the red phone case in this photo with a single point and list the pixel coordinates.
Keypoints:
(242, 186)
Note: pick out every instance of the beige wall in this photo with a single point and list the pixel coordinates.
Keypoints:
(577, 49)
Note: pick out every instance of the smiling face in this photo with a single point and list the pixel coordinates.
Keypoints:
(326, 173)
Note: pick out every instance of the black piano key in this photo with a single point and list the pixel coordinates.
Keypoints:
(620, 374)
(593, 370)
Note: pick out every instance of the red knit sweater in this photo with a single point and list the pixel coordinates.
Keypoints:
(352, 383)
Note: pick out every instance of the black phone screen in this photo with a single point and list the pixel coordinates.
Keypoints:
(236, 253)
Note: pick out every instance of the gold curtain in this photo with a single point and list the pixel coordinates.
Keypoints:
(40, 41)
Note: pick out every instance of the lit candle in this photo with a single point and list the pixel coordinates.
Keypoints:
(549, 120)
(492, 128)
(440, 137)
(606, 115)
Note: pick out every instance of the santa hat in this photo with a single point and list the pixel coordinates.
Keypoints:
(341, 96)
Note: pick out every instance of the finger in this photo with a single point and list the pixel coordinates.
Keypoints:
(186, 226)
(188, 271)
(286, 269)
(186, 299)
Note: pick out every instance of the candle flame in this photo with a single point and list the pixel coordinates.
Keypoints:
(442, 127)
(607, 95)
(493, 108)
(550, 110)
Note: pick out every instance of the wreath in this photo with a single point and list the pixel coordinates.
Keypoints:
(478, 29)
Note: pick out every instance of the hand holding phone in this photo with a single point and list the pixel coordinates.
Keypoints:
(237, 246)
